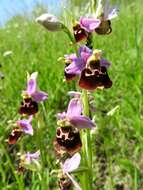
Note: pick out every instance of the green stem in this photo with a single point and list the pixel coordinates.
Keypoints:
(86, 136)
(42, 153)
(87, 145)
(84, 176)
(71, 37)
(19, 180)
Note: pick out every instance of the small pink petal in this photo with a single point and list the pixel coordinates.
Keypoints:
(70, 57)
(61, 115)
(113, 13)
(74, 108)
(31, 83)
(72, 163)
(84, 52)
(26, 126)
(104, 63)
(75, 94)
(89, 24)
(75, 67)
(40, 96)
(82, 122)
(30, 118)
(30, 156)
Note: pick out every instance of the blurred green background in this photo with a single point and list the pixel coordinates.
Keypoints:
(118, 141)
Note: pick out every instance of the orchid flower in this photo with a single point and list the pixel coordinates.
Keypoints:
(50, 22)
(79, 32)
(100, 22)
(79, 63)
(70, 165)
(25, 125)
(74, 116)
(84, 27)
(30, 156)
(30, 161)
(90, 67)
(108, 11)
(105, 12)
(32, 91)
(31, 96)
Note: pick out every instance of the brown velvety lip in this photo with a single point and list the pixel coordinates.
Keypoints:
(91, 80)
(68, 139)
(28, 107)
(14, 136)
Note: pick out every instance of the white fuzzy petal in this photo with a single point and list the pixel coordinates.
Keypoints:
(113, 13)
(34, 75)
(49, 21)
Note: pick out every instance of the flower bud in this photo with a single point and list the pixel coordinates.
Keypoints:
(30, 161)
(50, 22)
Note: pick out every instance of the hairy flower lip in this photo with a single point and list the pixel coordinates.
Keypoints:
(89, 67)
(104, 28)
(28, 107)
(68, 140)
(79, 33)
(91, 82)
(14, 136)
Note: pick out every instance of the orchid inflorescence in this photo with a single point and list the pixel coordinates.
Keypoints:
(28, 108)
(73, 125)
(90, 68)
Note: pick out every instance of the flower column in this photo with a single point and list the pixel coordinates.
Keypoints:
(91, 69)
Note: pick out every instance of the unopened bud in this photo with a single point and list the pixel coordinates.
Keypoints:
(50, 22)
